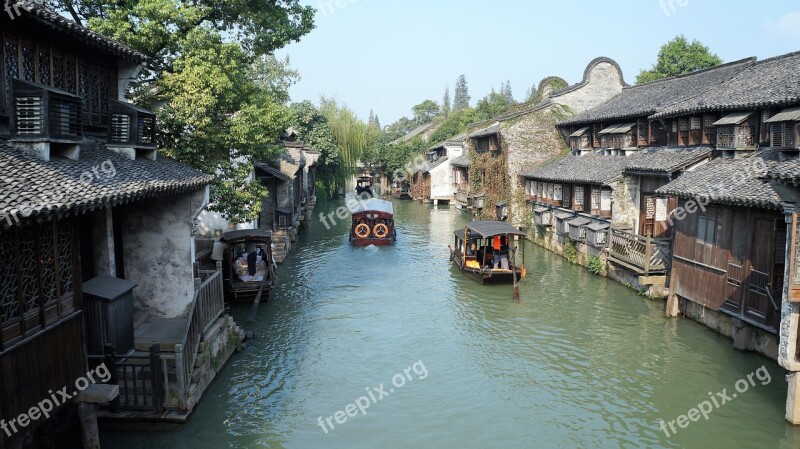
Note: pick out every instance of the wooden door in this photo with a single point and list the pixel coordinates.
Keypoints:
(757, 302)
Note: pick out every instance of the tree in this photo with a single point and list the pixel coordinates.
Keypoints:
(425, 111)
(507, 92)
(222, 96)
(446, 102)
(371, 121)
(491, 106)
(377, 122)
(461, 97)
(678, 57)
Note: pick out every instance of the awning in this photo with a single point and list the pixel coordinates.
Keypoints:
(540, 210)
(564, 215)
(374, 204)
(246, 234)
(489, 228)
(598, 226)
(579, 132)
(733, 119)
(618, 129)
(786, 115)
(580, 221)
(271, 171)
(284, 210)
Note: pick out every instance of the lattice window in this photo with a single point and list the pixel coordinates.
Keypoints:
(70, 82)
(104, 88)
(65, 257)
(9, 302)
(595, 199)
(695, 123)
(578, 198)
(11, 63)
(44, 67)
(83, 85)
(47, 265)
(58, 72)
(28, 64)
(94, 92)
(29, 268)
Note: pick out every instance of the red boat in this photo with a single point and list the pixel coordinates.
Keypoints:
(373, 223)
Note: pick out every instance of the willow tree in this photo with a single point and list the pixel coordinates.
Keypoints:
(351, 137)
(216, 114)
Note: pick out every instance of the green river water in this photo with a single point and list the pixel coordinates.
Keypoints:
(580, 362)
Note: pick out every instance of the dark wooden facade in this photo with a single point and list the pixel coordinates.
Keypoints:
(42, 345)
(41, 55)
(654, 209)
(732, 259)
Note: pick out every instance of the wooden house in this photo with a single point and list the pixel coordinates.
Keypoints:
(461, 187)
(86, 201)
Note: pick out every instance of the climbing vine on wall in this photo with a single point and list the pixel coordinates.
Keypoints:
(489, 175)
(420, 187)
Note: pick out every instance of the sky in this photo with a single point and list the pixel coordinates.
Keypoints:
(388, 55)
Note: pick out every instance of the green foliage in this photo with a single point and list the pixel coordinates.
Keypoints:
(570, 252)
(595, 265)
(492, 105)
(446, 102)
(461, 97)
(425, 111)
(678, 57)
(221, 95)
(454, 124)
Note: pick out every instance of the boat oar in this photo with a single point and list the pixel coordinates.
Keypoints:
(253, 311)
(514, 275)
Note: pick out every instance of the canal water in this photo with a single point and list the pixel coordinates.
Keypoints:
(437, 361)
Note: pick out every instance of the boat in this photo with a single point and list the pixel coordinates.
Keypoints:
(248, 265)
(483, 252)
(373, 223)
(364, 186)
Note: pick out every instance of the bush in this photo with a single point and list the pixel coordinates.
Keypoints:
(570, 252)
(595, 265)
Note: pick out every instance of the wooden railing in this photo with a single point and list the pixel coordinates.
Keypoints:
(207, 306)
(645, 255)
(142, 378)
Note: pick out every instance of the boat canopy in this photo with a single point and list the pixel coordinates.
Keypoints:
(246, 234)
(488, 228)
(374, 204)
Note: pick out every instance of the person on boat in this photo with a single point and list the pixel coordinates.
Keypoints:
(471, 250)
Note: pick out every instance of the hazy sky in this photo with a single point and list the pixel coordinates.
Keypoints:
(389, 55)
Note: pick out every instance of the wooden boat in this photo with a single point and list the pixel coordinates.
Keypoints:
(483, 252)
(248, 265)
(364, 185)
(373, 223)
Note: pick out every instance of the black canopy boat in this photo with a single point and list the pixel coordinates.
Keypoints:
(483, 252)
(249, 269)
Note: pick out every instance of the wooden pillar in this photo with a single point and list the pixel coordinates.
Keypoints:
(87, 411)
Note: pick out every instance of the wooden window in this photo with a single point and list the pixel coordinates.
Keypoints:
(557, 193)
(764, 128)
(706, 234)
(565, 193)
(783, 135)
(596, 135)
(605, 202)
(595, 200)
(794, 262)
(550, 191)
(709, 131)
(36, 277)
(578, 201)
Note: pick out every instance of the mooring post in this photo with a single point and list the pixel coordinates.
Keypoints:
(88, 400)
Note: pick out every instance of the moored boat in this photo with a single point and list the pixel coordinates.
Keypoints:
(483, 252)
(249, 270)
(373, 223)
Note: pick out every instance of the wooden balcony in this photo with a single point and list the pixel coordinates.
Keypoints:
(643, 255)
(42, 113)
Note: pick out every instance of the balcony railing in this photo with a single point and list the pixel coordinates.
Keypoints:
(644, 255)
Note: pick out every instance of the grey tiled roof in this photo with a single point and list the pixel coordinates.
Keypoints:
(730, 181)
(772, 82)
(488, 131)
(413, 133)
(461, 161)
(646, 99)
(666, 160)
(591, 169)
(37, 11)
(431, 165)
(30, 187)
(786, 171)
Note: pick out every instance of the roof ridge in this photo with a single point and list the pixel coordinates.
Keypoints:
(752, 59)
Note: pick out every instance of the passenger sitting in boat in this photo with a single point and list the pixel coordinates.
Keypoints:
(471, 250)
(254, 263)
